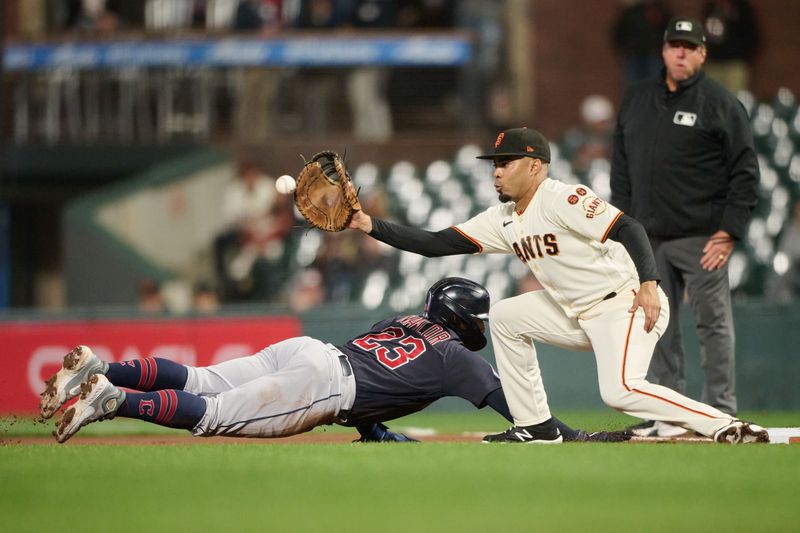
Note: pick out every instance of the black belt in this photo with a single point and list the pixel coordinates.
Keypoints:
(347, 370)
(609, 296)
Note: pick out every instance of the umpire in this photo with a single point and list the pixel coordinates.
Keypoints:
(684, 165)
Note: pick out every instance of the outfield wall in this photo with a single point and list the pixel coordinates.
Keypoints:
(767, 338)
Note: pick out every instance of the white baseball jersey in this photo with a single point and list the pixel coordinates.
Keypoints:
(551, 237)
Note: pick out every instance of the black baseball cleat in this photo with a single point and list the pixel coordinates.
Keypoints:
(528, 435)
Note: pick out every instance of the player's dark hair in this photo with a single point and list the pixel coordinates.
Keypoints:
(461, 305)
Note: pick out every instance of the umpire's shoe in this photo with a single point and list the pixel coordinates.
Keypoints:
(99, 401)
(78, 366)
(545, 433)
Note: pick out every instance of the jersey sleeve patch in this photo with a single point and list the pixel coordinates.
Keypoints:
(593, 206)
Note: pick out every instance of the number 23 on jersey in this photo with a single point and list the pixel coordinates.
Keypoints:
(391, 347)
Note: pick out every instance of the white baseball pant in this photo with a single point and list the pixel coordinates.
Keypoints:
(622, 350)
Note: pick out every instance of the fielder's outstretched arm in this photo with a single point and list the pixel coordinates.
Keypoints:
(428, 243)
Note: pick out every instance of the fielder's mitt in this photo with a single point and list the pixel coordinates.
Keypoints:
(325, 196)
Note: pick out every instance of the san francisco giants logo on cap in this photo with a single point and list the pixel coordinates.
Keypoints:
(499, 140)
(530, 149)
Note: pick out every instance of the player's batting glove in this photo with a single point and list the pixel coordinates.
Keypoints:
(381, 433)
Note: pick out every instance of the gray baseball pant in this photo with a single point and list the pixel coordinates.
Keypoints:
(709, 296)
(286, 388)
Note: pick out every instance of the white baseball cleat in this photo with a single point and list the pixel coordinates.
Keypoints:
(99, 401)
(738, 432)
(78, 366)
(651, 428)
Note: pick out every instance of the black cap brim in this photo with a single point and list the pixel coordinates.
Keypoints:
(685, 38)
(508, 154)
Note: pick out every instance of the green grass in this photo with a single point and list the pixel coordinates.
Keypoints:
(402, 488)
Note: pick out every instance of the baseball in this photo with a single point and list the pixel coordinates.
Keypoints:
(285, 184)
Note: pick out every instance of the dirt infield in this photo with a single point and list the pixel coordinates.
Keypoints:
(187, 440)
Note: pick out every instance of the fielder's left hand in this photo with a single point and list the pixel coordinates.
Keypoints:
(647, 298)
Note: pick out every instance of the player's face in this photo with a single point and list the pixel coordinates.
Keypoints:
(512, 177)
(682, 60)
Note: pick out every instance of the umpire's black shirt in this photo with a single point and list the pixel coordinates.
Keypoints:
(684, 163)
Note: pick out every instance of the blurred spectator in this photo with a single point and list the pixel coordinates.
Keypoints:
(263, 16)
(485, 21)
(165, 15)
(257, 86)
(150, 299)
(317, 85)
(307, 291)
(256, 221)
(346, 259)
(428, 13)
(732, 33)
(637, 37)
(94, 16)
(367, 86)
(204, 298)
(337, 260)
(595, 137)
(783, 284)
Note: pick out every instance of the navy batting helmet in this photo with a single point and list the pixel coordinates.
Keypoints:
(461, 305)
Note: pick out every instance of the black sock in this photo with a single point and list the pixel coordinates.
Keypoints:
(170, 408)
(153, 373)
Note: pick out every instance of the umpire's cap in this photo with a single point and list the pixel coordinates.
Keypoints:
(523, 142)
(685, 29)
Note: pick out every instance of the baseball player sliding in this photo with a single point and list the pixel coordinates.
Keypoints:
(600, 293)
(400, 366)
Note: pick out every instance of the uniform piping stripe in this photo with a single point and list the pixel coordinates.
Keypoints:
(473, 241)
(152, 372)
(143, 373)
(309, 406)
(608, 229)
(172, 406)
(162, 408)
(657, 397)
